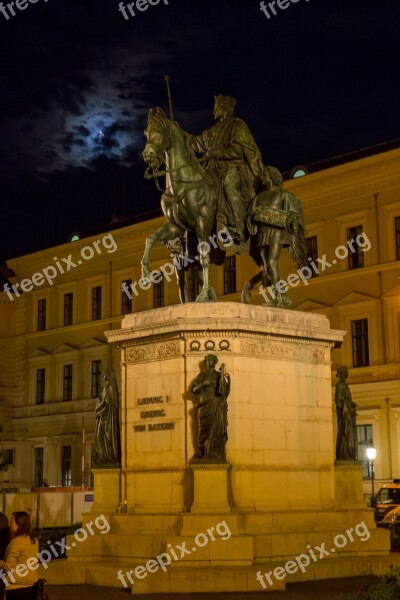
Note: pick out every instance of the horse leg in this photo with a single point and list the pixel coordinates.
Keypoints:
(166, 233)
(199, 276)
(207, 294)
(248, 286)
(181, 278)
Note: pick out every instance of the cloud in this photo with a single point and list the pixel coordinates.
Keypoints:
(83, 91)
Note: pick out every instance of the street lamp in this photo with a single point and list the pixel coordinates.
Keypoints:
(371, 453)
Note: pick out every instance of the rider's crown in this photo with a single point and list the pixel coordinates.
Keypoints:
(226, 102)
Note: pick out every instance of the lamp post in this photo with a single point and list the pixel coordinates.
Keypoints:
(371, 453)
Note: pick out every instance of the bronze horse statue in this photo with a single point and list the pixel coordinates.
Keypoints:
(190, 204)
(190, 199)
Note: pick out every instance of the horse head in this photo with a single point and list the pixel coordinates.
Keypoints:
(157, 135)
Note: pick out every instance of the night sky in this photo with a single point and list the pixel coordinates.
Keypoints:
(319, 79)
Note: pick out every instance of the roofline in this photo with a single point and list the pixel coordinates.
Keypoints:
(348, 157)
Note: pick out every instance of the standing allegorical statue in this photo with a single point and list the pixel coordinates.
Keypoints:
(346, 444)
(107, 447)
(212, 389)
(235, 159)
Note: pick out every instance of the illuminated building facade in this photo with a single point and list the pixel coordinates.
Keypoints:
(53, 349)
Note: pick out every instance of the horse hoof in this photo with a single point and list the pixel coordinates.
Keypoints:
(207, 295)
(283, 301)
(287, 303)
(271, 303)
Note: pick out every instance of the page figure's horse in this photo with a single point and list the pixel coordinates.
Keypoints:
(275, 221)
(190, 199)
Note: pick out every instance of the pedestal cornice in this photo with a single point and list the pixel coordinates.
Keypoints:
(221, 319)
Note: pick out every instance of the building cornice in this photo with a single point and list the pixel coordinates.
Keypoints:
(128, 238)
(374, 390)
(100, 326)
(374, 173)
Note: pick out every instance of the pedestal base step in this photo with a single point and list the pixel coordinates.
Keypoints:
(211, 578)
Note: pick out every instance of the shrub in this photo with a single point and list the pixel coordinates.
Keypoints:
(386, 588)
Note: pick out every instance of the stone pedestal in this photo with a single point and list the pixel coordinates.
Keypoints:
(348, 484)
(210, 488)
(280, 444)
(107, 484)
(281, 493)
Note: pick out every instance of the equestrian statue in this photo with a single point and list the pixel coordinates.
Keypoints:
(219, 191)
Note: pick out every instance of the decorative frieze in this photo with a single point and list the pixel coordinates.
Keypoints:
(283, 350)
(153, 351)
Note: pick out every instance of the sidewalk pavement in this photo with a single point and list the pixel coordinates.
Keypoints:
(325, 589)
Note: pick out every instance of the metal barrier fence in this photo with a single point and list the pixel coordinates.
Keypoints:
(55, 507)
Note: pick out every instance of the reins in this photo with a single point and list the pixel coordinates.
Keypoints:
(156, 174)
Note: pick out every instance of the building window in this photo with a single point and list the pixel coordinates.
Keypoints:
(41, 318)
(356, 255)
(66, 473)
(230, 275)
(126, 301)
(397, 233)
(193, 284)
(40, 385)
(364, 439)
(8, 456)
(359, 338)
(67, 383)
(68, 308)
(96, 378)
(312, 251)
(96, 303)
(38, 467)
(158, 294)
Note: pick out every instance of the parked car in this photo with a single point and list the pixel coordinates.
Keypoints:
(387, 499)
(391, 521)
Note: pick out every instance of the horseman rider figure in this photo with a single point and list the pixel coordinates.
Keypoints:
(235, 159)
